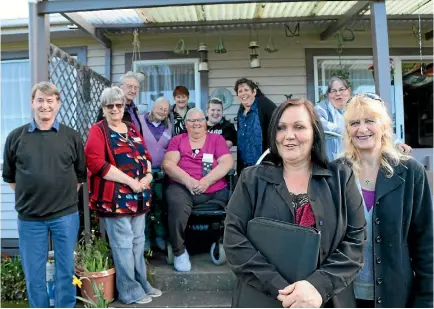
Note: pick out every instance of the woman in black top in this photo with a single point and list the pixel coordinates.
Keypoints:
(217, 123)
(254, 116)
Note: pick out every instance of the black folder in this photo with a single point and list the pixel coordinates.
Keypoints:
(291, 248)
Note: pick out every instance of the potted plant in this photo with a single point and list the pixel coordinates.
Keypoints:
(94, 266)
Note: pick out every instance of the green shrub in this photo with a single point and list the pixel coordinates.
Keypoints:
(13, 284)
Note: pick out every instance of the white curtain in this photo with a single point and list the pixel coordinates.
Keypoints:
(161, 80)
(15, 97)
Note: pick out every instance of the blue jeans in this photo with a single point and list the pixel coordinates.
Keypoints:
(33, 242)
(127, 240)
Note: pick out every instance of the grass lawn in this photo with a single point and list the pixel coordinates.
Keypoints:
(14, 304)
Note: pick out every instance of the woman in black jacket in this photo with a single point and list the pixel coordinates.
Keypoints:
(300, 187)
(398, 268)
(254, 117)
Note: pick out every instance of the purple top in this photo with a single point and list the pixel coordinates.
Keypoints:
(369, 198)
(156, 131)
(157, 148)
(214, 145)
(130, 109)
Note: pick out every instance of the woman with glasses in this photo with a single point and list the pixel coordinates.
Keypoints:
(119, 180)
(196, 163)
(398, 263)
(330, 113)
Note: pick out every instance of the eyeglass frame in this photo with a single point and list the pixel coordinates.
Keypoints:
(111, 106)
(199, 120)
(336, 91)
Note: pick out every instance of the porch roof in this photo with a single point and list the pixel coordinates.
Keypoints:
(230, 13)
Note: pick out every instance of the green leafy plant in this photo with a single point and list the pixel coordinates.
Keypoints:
(93, 255)
(13, 284)
(100, 301)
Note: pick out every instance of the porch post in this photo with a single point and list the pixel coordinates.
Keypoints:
(39, 44)
(380, 46)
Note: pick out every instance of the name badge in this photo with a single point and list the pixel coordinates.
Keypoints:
(207, 161)
(137, 139)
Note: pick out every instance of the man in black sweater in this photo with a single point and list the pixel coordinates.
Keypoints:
(44, 164)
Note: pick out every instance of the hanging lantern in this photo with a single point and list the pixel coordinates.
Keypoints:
(203, 55)
(180, 48)
(254, 56)
(220, 49)
(271, 47)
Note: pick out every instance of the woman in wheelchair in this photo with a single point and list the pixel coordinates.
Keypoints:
(196, 163)
(157, 132)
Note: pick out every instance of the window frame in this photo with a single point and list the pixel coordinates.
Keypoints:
(194, 61)
(170, 55)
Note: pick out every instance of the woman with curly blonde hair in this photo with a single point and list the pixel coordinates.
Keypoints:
(398, 264)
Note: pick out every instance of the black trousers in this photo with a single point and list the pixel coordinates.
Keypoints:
(180, 202)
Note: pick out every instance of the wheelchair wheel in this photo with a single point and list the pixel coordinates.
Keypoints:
(170, 257)
(218, 255)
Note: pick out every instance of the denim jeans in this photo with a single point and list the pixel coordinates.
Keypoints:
(33, 243)
(127, 240)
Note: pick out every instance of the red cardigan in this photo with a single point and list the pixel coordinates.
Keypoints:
(99, 158)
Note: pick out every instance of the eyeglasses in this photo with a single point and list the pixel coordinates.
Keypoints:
(111, 106)
(196, 120)
(132, 87)
(340, 90)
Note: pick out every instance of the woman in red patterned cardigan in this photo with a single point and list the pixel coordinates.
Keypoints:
(119, 180)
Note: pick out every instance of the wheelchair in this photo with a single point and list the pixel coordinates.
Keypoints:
(208, 219)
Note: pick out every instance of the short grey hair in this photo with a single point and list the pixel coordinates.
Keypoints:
(128, 75)
(111, 95)
(161, 100)
(194, 110)
(151, 117)
(337, 79)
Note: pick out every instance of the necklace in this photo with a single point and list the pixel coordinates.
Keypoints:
(125, 138)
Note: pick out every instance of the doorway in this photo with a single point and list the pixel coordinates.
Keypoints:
(417, 87)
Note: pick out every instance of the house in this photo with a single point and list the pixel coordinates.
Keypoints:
(315, 39)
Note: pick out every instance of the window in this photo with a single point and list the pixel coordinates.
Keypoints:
(15, 97)
(161, 78)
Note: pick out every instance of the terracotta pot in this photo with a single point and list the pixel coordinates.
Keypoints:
(107, 278)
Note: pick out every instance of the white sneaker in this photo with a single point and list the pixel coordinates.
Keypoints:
(145, 300)
(182, 262)
(155, 293)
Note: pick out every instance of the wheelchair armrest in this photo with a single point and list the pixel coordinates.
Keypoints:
(231, 172)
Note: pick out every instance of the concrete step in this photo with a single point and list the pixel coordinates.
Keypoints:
(204, 275)
(182, 299)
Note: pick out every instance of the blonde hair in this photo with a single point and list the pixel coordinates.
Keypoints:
(361, 105)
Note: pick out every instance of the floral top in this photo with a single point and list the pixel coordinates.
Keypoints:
(131, 158)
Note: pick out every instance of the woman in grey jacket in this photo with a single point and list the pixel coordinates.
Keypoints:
(330, 113)
(299, 187)
(398, 268)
